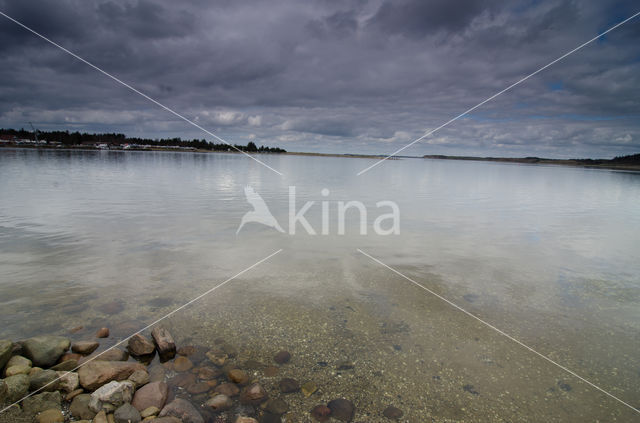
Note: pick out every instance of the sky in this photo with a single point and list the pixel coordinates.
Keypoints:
(332, 76)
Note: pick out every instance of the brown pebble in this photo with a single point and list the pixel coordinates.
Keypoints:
(71, 395)
(182, 364)
(183, 380)
(198, 388)
(392, 412)
(238, 376)
(271, 371)
(288, 385)
(208, 373)
(76, 329)
(321, 413)
(187, 350)
(102, 333)
(70, 356)
(342, 409)
(253, 394)
(229, 389)
(282, 357)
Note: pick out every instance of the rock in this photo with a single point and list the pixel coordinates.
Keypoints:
(271, 371)
(208, 373)
(41, 402)
(66, 366)
(164, 342)
(44, 380)
(345, 365)
(153, 394)
(73, 394)
(156, 374)
(253, 394)
(183, 380)
(308, 388)
(139, 345)
(17, 387)
(288, 385)
(70, 356)
(102, 333)
(101, 417)
(96, 373)
(187, 350)
(217, 357)
(228, 389)
(68, 381)
(321, 413)
(139, 378)
(198, 388)
(238, 376)
(126, 413)
(3, 391)
(149, 411)
(276, 406)
(79, 407)
(114, 354)
(183, 410)
(392, 412)
(342, 409)
(18, 360)
(18, 369)
(282, 357)
(44, 351)
(111, 396)
(219, 402)
(50, 416)
(6, 348)
(35, 370)
(84, 347)
(242, 419)
(167, 420)
(182, 364)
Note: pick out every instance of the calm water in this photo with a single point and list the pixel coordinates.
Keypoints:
(550, 255)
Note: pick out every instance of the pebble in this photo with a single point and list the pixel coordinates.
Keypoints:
(228, 389)
(288, 385)
(153, 394)
(220, 402)
(217, 357)
(282, 357)
(276, 406)
(342, 409)
(111, 396)
(65, 366)
(126, 413)
(238, 376)
(208, 373)
(139, 378)
(182, 380)
(253, 394)
(68, 382)
(183, 410)
(392, 412)
(18, 360)
(321, 413)
(17, 369)
(182, 364)
(73, 394)
(114, 354)
(102, 333)
(50, 416)
(198, 388)
(271, 371)
(164, 342)
(41, 402)
(149, 411)
(139, 345)
(79, 407)
(84, 347)
(308, 388)
(101, 417)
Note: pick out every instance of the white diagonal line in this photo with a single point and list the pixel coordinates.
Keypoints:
(498, 330)
(497, 94)
(148, 326)
(173, 112)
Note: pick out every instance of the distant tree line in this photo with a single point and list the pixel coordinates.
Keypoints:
(77, 138)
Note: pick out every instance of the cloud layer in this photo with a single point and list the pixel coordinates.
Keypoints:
(353, 76)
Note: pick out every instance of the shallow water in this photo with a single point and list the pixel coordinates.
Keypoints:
(547, 254)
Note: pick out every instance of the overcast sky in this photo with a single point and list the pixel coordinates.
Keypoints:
(353, 76)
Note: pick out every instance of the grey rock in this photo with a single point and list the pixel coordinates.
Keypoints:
(342, 409)
(45, 380)
(126, 413)
(18, 360)
(17, 387)
(139, 345)
(66, 366)
(41, 402)
(183, 410)
(219, 402)
(45, 350)
(6, 347)
(79, 407)
(111, 396)
(139, 378)
(68, 382)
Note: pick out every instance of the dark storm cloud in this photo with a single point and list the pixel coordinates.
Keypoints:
(349, 76)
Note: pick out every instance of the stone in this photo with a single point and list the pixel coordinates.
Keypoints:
(70, 356)
(126, 413)
(149, 411)
(139, 378)
(139, 345)
(271, 371)
(228, 389)
(167, 419)
(6, 348)
(282, 357)
(102, 333)
(321, 413)
(73, 394)
(342, 409)
(253, 394)
(182, 364)
(156, 374)
(50, 416)
(44, 380)
(35, 370)
(208, 373)
(96, 373)
(79, 407)
(68, 381)
(111, 396)
(187, 350)
(17, 387)
(345, 365)
(84, 347)
(238, 376)
(198, 388)
(44, 351)
(41, 402)
(17, 369)
(392, 412)
(3, 391)
(153, 394)
(308, 389)
(243, 419)
(217, 357)
(164, 342)
(182, 380)
(183, 410)
(18, 360)
(66, 366)
(114, 354)
(101, 417)
(288, 385)
(276, 406)
(219, 402)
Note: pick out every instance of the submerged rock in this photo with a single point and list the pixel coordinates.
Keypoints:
(164, 342)
(84, 347)
(276, 406)
(238, 376)
(308, 388)
(342, 409)
(282, 357)
(102, 333)
(219, 402)
(228, 389)
(182, 364)
(44, 351)
(140, 346)
(321, 413)
(288, 385)
(139, 378)
(392, 412)
(183, 410)
(253, 394)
